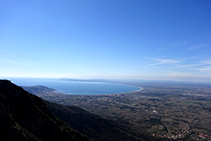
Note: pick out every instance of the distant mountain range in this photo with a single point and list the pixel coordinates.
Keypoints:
(24, 116)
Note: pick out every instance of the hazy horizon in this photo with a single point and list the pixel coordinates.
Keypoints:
(137, 40)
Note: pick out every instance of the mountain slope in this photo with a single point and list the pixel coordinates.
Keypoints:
(93, 126)
(24, 116)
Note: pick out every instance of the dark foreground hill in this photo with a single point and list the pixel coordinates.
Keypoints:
(24, 116)
(93, 126)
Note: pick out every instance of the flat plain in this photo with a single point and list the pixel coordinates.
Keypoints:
(165, 110)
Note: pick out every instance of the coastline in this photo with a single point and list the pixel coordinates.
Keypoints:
(112, 94)
(141, 88)
(57, 90)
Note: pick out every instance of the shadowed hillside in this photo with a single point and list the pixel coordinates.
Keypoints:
(93, 126)
(24, 116)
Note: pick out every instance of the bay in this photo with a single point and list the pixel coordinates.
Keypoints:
(77, 87)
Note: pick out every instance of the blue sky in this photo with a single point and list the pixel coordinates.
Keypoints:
(106, 39)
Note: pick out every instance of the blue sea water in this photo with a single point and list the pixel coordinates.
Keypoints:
(77, 87)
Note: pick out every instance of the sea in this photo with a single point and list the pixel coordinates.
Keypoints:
(77, 87)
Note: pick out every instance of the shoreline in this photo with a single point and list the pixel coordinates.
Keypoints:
(141, 88)
(56, 91)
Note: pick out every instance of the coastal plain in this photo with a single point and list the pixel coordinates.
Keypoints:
(162, 110)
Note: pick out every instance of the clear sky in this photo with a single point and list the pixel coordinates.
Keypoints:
(106, 39)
